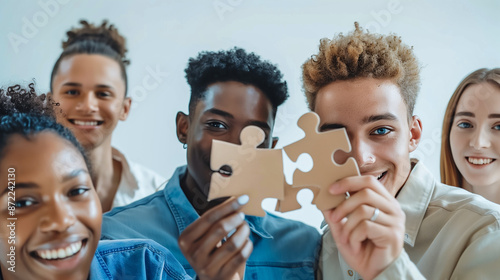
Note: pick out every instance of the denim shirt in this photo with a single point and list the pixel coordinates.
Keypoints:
(283, 249)
(134, 259)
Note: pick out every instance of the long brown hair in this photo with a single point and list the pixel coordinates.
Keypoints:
(450, 174)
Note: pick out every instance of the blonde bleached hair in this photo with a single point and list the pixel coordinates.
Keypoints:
(450, 174)
(361, 54)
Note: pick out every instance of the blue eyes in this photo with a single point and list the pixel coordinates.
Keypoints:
(468, 125)
(464, 125)
(381, 131)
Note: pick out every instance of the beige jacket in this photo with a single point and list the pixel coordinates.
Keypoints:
(450, 234)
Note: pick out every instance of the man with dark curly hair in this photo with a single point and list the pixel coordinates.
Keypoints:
(229, 91)
(399, 222)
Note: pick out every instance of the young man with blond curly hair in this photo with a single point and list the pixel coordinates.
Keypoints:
(399, 222)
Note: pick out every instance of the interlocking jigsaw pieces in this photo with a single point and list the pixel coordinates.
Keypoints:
(255, 172)
(320, 146)
(290, 203)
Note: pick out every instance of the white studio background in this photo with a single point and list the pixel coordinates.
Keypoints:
(450, 38)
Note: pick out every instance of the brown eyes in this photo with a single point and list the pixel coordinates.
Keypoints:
(78, 191)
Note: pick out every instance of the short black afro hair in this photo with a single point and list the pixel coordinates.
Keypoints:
(235, 65)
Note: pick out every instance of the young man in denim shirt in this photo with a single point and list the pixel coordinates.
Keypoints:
(229, 91)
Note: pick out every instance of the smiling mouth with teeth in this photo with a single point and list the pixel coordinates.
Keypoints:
(61, 253)
(86, 123)
(480, 161)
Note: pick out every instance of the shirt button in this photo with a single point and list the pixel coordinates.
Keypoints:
(350, 272)
(254, 275)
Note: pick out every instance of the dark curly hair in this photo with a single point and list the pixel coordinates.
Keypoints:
(25, 113)
(90, 39)
(360, 54)
(235, 65)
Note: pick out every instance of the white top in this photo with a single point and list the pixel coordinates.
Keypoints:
(136, 181)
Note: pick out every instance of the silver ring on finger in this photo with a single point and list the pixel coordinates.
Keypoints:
(375, 215)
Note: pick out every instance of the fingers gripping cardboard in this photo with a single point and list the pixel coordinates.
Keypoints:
(255, 172)
(320, 146)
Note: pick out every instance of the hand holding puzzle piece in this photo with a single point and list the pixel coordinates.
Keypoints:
(259, 172)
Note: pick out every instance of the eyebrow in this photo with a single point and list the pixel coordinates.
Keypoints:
(220, 113)
(370, 119)
(32, 185)
(331, 126)
(73, 84)
(260, 124)
(73, 174)
(465, 114)
(469, 114)
(28, 185)
(374, 118)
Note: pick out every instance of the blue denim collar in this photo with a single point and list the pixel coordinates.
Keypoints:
(185, 214)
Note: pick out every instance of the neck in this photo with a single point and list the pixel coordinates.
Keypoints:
(195, 196)
(106, 174)
(491, 192)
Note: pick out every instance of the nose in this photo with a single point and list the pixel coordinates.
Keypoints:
(58, 218)
(361, 151)
(480, 139)
(87, 103)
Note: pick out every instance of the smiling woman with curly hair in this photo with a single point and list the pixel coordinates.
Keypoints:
(53, 209)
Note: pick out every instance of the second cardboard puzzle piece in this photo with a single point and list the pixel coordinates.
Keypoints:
(320, 146)
(255, 172)
(289, 202)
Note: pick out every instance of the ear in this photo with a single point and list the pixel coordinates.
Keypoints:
(275, 141)
(182, 124)
(415, 132)
(127, 102)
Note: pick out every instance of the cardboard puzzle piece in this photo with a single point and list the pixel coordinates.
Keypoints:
(255, 172)
(290, 203)
(320, 146)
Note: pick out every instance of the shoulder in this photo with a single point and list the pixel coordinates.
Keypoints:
(142, 246)
(136, 220)
(150, 201)
(140, 258)
(143, 175)
(457, 201)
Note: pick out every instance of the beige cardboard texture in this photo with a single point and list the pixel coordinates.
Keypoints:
(257, 173)
(290, 203)
(321, 146)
